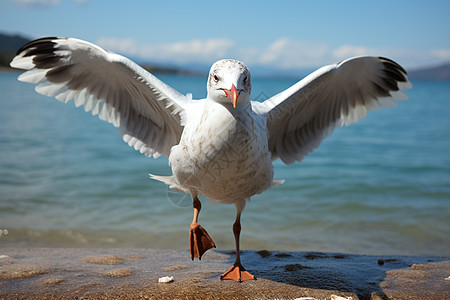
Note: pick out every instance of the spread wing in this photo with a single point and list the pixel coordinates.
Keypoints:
(150, 114)
(299, 118)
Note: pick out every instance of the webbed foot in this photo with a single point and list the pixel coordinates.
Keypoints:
(237, 273)
(199, 241)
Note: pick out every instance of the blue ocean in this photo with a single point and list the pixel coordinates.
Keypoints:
(380, 186)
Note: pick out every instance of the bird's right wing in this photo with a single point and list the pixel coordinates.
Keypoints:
(150, 114)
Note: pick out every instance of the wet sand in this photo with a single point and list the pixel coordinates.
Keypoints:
(57, 273)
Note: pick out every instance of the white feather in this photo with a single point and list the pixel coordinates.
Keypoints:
(35, 76)
(24, 63)
(352, 85)
(214, 149)
(102, 82)
(155, 119)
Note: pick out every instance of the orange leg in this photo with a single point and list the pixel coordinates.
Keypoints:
(237, 272)
(199, 239)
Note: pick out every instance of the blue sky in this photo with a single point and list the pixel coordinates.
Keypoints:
(286, 35)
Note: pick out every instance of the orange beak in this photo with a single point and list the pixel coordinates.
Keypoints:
(232, 94)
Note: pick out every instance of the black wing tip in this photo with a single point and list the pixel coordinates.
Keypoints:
(394, 73)
(37, 42)
(389, 61)
(42, 52)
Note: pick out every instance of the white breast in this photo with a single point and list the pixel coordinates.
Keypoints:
(222, 156)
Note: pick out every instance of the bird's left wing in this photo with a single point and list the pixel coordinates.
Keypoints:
(299, 118)
(150, 114)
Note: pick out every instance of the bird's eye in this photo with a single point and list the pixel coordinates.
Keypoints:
(216, 78)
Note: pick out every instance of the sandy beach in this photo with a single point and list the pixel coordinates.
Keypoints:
(61, 273)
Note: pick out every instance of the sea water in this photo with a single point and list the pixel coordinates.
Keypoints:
(380, 186)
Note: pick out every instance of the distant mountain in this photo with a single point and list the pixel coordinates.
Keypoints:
(440, 73)
(9, 44)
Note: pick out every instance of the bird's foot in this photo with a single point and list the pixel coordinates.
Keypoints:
(237, 273)
(199, 241)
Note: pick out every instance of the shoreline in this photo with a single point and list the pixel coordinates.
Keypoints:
(62, 273)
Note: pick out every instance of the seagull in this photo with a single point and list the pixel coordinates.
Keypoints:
(221, 147)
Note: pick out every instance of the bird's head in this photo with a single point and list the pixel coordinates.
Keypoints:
(229, 82)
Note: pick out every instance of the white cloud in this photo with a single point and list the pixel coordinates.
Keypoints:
(441, 53)
(291, 54)
(43, 3)
(283, 53)
(125, 46)
(409, 58)
(202, 51)
(347, 51)
(38, 3)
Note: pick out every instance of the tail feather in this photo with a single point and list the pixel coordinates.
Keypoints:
(170, 181)
(277, 182)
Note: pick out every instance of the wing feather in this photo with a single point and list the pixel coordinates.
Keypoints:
(150, 114)
(299, 118)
